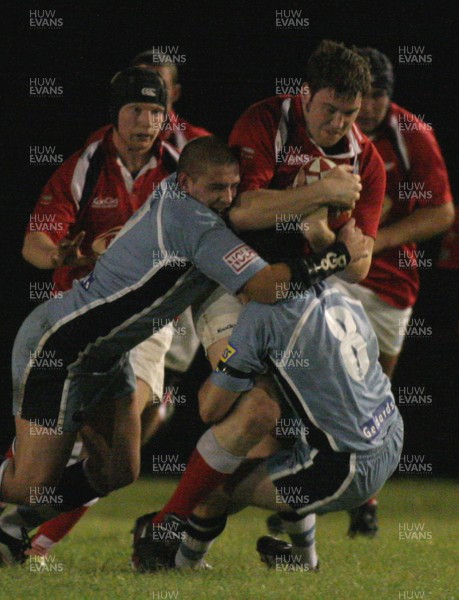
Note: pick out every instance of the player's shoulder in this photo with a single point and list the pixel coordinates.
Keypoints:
(269, 108)
(415, 129)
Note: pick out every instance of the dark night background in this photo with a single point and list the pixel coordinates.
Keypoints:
(233, 55)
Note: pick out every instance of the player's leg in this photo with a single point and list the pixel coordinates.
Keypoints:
(214, 319)
(38, 463)
(221, 450)
(255, 489)
(147, 361)
(298, 483)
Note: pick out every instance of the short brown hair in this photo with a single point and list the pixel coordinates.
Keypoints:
(201, 152)
(333, 65)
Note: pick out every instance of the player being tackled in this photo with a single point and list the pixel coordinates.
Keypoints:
(349, 431)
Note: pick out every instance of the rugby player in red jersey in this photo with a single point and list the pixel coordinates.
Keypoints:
(417, 206)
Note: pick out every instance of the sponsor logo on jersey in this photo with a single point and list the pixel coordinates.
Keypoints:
(146, 91)
(228, 353)
(372, 427)
(247, 152)
(240, 258)
(104, 202)
(46, 199)
(389, 165)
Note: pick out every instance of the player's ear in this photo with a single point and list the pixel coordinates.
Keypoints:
(184, 181)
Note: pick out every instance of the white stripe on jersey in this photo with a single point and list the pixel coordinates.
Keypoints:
(282, 129)
(393, 123)
(79, 174)
(299, 326)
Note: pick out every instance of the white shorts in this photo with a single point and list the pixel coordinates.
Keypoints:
(216, 317)
(185, 343)
(384, 318)
(147, 359)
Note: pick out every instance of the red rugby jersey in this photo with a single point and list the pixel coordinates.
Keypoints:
(273, 143)
(416, 178)
(114, 198)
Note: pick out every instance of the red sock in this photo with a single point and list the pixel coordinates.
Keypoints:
(57, 528)
(198, 480)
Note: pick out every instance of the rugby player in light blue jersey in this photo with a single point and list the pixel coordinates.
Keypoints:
(71, 353)
(322, 354)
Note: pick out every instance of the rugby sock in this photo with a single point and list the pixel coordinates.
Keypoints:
(200, 535)
(54, 530)
(302, 533)
(209, 466)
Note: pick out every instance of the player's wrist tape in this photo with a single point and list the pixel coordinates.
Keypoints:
(224, 368)
(317, 267)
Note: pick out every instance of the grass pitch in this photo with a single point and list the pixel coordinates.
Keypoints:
(415, 556)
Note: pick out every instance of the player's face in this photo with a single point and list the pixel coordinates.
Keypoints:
(373, 110)
(216, 188)
(329, 117)
(139, 124)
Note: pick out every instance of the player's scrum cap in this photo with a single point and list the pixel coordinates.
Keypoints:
(136, 85)
(382, 72)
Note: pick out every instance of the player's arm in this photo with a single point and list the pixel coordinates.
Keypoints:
(41, 252)
(434, 215)
(420, 225)
(367, 212)
(46, 245)
(258, 209)
(358, 269)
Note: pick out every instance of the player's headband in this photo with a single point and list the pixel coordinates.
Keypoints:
(136, 85)
(382, 72)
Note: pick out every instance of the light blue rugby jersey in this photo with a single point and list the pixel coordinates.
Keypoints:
(159, 263)
(324, 354)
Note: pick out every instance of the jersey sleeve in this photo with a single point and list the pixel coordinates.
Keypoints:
(242, 360)
(252, 138)
(428, 168)
(367, 211)
(193, 231)
(56, 211)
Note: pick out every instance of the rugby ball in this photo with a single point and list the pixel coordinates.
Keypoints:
(313, 171)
